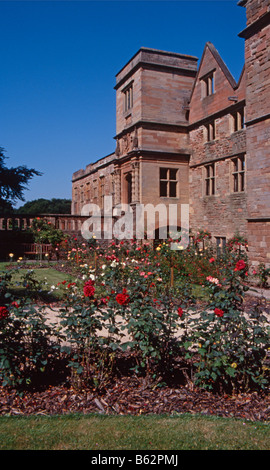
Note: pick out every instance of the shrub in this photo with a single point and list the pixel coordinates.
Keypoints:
(263, 274)
(148, 295)
(25, 343)
(82, 318)
(228, 347)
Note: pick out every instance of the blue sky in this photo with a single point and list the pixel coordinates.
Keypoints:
(58, 65)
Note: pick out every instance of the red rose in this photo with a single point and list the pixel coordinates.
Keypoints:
(240, 265)
(3, 313)
(123, 298)
(218, 312)
(71, 284)
(89, 289)
(180, 312)
(15, 304)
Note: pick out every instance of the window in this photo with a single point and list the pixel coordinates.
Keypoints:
(221, 245)
(128, 98)
(75, 201)
(102, 191)
(82, 194)
(95, 191)
(88, 192)
(128, 188)
(207, 84)
(168, 182)
(238, 174)
(238, 120)
(211, 131)
(210, 180)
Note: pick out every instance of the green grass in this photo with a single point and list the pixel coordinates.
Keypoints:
(96, 432)
(49, 275)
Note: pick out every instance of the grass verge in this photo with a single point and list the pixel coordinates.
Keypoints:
(96, 432)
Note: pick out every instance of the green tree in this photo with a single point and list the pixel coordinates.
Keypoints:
(46, 206)
(45, 232)
(13, 182)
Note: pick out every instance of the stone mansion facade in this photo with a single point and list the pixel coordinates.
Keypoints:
(188, 133)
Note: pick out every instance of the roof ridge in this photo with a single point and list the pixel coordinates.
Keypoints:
(222, 64)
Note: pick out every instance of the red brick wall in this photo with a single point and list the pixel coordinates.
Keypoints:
(224, 213)
(202, 107)
(258, 69)
(259, 242)
(164, 95)
(123, 119)
(255, 9)
(257, 46)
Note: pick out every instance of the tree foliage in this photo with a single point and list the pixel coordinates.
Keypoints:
(13, 182)
(45, 232)
(46, 206)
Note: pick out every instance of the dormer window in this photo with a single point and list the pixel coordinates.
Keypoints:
(208, 85)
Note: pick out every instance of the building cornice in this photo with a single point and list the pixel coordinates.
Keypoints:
(157, 67)
(158, 52)
(217, 115)
(93, 168)
(172, 127)
(217, 159)
(258, 219)
(255, 27)
(181, 155)
(264, 117)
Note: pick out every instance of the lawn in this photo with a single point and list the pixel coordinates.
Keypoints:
(48, 276)
(99, 432)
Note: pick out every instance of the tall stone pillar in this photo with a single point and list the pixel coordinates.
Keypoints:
(117, 186)
(135, 182)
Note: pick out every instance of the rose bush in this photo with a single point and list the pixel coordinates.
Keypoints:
(27, 349)
(229, 348)
(131, 299)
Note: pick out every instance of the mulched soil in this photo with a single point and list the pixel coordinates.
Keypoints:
(132, 395)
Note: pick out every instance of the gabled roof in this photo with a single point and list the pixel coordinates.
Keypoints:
(221, 64)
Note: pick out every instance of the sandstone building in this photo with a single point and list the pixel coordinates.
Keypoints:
(187, 133)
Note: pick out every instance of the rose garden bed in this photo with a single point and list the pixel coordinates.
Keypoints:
(197, 339)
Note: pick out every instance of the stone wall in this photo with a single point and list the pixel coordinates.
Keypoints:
(257, 59)
(222, 211)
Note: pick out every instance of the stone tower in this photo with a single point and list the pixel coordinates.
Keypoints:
(257, 62)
